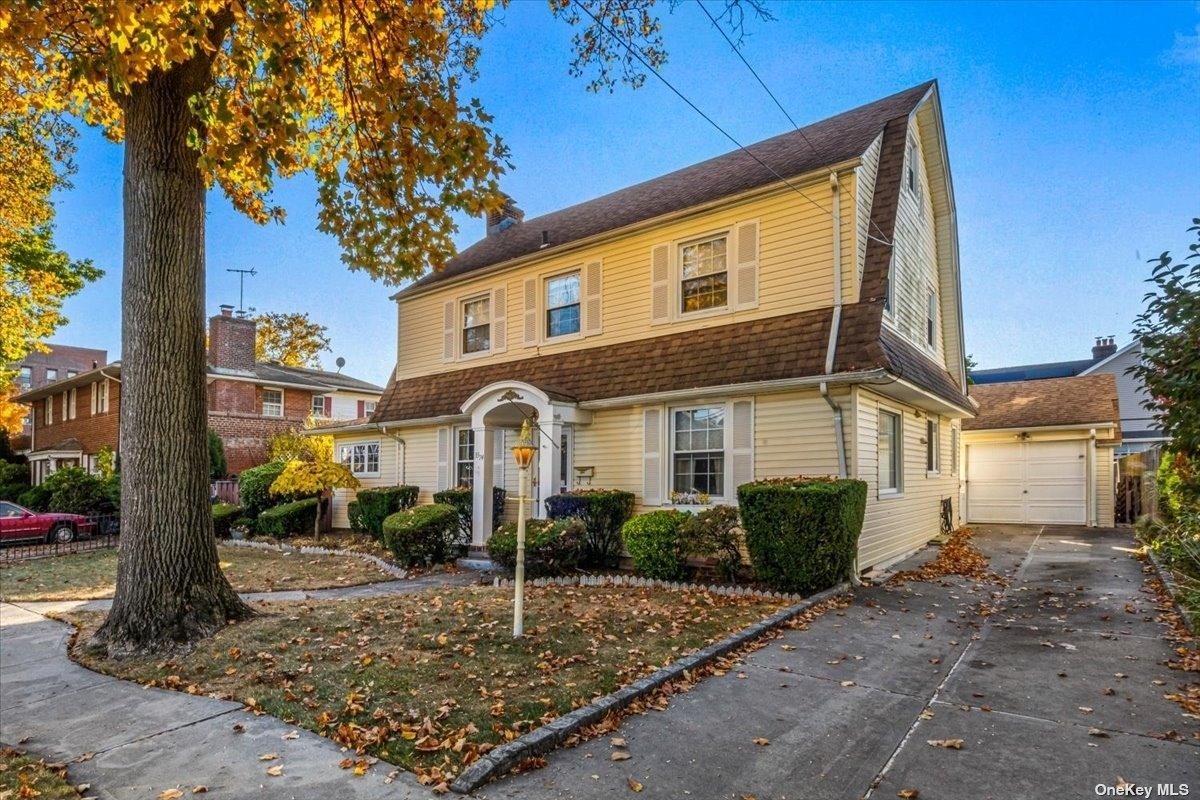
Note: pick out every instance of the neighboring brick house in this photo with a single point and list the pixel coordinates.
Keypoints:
(39, 369)
(248, 401)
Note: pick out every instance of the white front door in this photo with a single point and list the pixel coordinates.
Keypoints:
(1036, 483)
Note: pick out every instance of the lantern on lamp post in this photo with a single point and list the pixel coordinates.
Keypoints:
(523, 454)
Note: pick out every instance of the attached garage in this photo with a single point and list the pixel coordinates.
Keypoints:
(1041, 452)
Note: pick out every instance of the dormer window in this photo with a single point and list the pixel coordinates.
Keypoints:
(704, 278)
(476, 325)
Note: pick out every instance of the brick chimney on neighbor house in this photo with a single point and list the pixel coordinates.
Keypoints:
(1104, 347)
(231, 341)
(504, 217)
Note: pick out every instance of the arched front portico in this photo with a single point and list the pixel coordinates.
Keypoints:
(505, 405)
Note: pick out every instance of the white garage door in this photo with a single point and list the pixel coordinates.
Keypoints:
(1027, 482)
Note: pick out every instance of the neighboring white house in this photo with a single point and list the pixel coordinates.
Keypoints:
(1139, 430)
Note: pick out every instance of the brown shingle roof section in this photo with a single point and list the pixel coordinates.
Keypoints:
(1090, 399)
(831, 141)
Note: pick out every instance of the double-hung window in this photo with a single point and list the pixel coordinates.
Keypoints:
(464, 457)
(476, 325)
(369, 407)
(101, 390)
(562, 305)
(25, 379)
(48, 412)
(272, 403)
(321, 405)
(51, 375)
(891, 449)
(698, 450)
(703, 274)
(72, 396)
(933, 446)
(362, 458)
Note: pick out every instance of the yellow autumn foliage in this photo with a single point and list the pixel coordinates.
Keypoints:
(312, 477)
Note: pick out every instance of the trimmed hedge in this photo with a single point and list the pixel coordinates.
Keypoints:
(355, 517)
(714, 533)
(802, 533)
(603, 512)
(376, 505)
(422, 535)
(299, 516)
(653, 542)
(552, 546)
(223, 516)
(460, 498)
(254, 488)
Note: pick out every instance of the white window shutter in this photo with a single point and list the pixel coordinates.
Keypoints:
(530, 332)
(592, 322)
(660, 284)
(652, 457)
(443, 456)
(742, 447)
(745, 266)
(499, 320)
(448, 331)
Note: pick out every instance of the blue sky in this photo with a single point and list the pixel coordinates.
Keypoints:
(1074, 147)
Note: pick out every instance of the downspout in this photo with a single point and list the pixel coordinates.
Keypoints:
(401, 456)
(1093, 518)
(831, 349)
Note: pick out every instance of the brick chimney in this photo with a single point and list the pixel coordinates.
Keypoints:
(231, 341)
(1104, 347)
(504, 217)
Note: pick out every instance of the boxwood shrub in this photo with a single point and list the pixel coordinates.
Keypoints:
(288, 519)
(802, 533)
(460, 498)
(603, 512)
(223, 516)
(376, 505)
(552, 546)
(355, 518)
(422, 535)
(653, 542)
(254, 488)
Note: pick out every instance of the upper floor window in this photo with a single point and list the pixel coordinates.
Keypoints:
(933, 446)
(890, 449)
(931, 319)
(369, 408)
(562, 305)
(321, 405)
(100, 397)
(70, 398)
(464, 457)
(71, 373)
(25, 379)
(51, 375)
(48, 412)
(476, 325)
(704, 277)
(272, 402)
(698, 450)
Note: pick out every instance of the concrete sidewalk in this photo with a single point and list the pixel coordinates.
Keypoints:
(136, 742)
(849, 705)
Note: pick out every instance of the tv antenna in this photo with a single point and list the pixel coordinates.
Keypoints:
(242, 273)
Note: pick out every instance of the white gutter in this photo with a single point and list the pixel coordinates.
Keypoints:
(754, 387)
(834, 327)
(1093, 515)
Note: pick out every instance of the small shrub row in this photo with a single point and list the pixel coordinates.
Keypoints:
(603, 512)
(461, 500)
(552, 546)
(224, 515)
(289, 519)
(423, 535)
(372, 506)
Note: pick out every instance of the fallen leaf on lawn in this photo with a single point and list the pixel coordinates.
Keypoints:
(291, 735)
(201, 789)
(617, 741)
(619, 755)
(275, 771)
(762, 742)
(908, 794)
(268, 756)
(949, 744)
(1097, 733)
(170, 794)
(926, 714)
(637, 787)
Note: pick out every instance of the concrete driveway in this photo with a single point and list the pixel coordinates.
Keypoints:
(1056, 694)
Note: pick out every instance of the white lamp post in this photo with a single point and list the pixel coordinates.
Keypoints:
(523, 455)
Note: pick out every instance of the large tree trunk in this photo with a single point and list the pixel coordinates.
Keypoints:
(170, 588)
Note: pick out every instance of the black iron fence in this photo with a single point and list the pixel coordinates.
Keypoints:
(101, 531)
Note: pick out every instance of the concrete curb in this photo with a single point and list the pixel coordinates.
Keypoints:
(386, 566)
(546, 738)
(1168, 579)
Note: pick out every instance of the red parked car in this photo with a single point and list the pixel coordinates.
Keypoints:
(19, 523)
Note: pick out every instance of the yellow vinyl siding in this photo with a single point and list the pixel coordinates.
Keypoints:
(795, 252)
(418, 467)
(897, 525)
(864, 194)
(793, 434)
(1105, 490)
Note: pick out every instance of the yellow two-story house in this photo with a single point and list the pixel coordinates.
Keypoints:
(790, 309)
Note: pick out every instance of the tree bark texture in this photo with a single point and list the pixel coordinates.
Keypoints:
(170, 588)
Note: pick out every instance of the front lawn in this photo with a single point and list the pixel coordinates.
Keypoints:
(24, 776)
(91, 575)
(431, 681)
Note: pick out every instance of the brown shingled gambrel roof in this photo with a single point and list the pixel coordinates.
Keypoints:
(1052, 402)
(776, 348)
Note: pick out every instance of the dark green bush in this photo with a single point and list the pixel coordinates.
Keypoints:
(458, 498)
(254, 488)
(802, 533)
(552, 546)
(355, 517)
(35, 498)
(288, 519)
(224, 515)
(14, 480)
(652, 540)
(1178, 482)
(73, 491)
(498, 498)
(422, 535)
(376, 505)
(714, 533)
(603, 512)
(217, 466)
